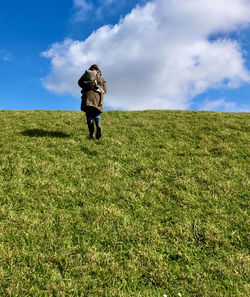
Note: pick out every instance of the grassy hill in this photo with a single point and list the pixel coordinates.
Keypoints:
(158, 206)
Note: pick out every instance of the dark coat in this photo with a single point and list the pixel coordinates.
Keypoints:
(90, 97)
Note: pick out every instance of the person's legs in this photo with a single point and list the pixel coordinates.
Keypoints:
(90, 122)
(98, 126)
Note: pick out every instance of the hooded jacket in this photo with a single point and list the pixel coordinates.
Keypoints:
(92, 98)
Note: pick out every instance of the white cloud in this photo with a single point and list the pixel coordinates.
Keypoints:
(82, 8)
(159, 56)
(218, 104)
(223, 105)
(5, 56)
(98, 9)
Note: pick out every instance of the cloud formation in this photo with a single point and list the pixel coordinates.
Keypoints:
(222, 103)
(98, 9)
(82, 8)
(5, 56)
(214, 105)
(160, 56)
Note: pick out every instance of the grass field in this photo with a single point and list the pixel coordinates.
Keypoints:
(158, 206)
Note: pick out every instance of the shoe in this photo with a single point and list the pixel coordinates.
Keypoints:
(98, 133)
(91, 129)
(98, 128)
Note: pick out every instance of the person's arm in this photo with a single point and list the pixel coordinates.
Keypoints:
(85, 86)
(81, 82)
(103, 84)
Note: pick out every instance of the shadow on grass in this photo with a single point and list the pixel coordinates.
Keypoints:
(89, 152)
(44, 133)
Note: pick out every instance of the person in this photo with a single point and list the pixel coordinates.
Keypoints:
(92, 98)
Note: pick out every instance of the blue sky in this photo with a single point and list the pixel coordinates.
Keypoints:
(34, 35)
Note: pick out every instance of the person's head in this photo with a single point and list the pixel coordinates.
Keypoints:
(95, 67)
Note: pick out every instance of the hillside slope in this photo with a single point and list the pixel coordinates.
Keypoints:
(157, 206)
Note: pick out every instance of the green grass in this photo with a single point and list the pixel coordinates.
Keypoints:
(158, 206)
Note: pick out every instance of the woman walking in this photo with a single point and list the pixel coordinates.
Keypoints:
(93, 89)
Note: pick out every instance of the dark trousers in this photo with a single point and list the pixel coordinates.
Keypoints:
(93, 115)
